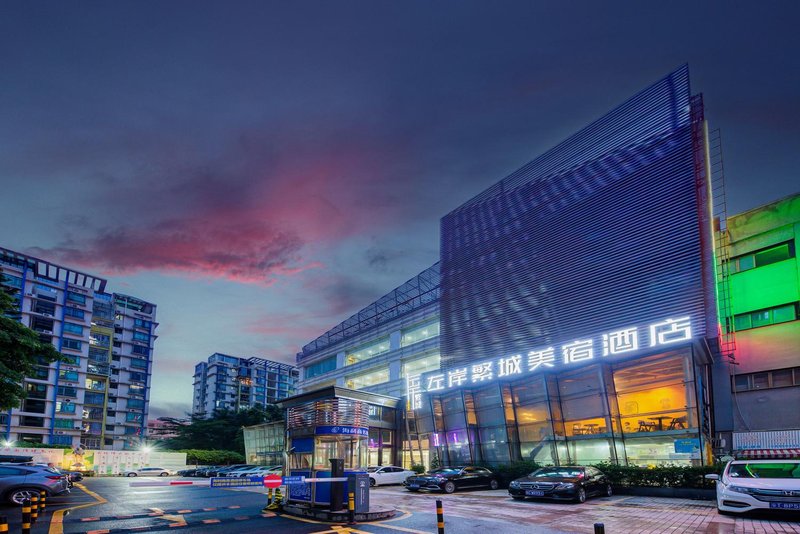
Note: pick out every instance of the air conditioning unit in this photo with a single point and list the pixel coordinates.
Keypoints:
(46, 314)
(60, 432)
(46, 331)
(30, 294)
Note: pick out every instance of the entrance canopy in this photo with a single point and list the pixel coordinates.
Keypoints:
(762, 454)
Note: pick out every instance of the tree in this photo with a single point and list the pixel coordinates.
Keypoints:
(20, 348)
(222, 430)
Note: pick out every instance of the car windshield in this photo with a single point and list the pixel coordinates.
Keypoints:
(444, 470)
(765, 470)
(558, 472)
(372, 469)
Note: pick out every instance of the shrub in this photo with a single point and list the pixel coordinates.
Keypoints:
(204, 457)
(418, 469)
(669, 476)
(508, 472)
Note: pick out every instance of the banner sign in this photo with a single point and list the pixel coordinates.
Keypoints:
(342, 430)
(236, 482)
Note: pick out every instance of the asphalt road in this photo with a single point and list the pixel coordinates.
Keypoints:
(112, 505)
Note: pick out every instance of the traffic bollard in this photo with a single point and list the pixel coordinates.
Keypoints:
(599, 528)
(3, 524)
(34, 509)
(351, 508)
(43, 504)
(26, 517)
(439, 516)
(269, 500)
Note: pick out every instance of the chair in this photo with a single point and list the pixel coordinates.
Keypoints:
(677, 422)
(646, 426)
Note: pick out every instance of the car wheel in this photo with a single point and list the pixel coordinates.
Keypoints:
(580, 496)
(518, 497)
(609, 491)
(131, 474)
(449, 487)
(17, 497)
(493, 485)
(163, 474)
(372, 483)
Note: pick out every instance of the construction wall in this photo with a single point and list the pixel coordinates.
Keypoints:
(101, 462)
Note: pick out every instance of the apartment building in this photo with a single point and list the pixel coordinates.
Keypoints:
(226, 382)
(98, 395)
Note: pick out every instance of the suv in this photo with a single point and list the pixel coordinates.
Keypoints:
(148, 472)
(747, 485)
(20, 482)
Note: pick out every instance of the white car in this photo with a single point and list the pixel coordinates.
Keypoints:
(148, 472)
(747, 485)
(387, 474)
(265, 470)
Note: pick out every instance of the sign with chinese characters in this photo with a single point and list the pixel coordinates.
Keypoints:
(346, 430)
(621, 341)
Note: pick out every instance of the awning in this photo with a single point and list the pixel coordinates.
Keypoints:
(767, 454)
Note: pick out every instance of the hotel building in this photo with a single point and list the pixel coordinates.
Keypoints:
(98, 395)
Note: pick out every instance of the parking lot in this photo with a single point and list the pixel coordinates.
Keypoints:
(111, 505)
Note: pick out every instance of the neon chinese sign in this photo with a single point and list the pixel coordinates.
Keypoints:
(621, 341)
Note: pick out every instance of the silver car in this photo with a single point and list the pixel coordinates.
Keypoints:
(19, 482)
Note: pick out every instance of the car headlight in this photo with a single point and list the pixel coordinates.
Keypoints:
(741, 489)
(565, 485)
(514, 484)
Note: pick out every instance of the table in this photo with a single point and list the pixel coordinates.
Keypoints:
(660, 419)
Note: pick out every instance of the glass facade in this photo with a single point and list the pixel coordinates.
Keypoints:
(638, 412)
(366, 352)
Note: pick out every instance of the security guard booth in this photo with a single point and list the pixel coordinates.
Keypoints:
(332, 423)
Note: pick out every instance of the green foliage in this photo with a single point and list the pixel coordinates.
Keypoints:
(418, 469)
(221, 431)
(435, 463)
(508, 472)
(19, 348)
(203, 457)
(663, 476)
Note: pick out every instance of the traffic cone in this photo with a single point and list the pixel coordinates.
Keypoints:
(269, 500)
(276, 502)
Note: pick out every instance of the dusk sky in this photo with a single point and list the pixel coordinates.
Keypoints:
(262, 170)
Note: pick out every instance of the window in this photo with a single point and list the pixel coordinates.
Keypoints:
(71, 359)
(74, 312)
(136, 389)
(133, 417)
(95, 385)
(321, 367)
(74, 329)
(45, 308)
(67, 391)
(367, 379)
(65, 423)
(141, 323)
(69, 376)
(135, 404)
(99, 340)
(33, 406)
(11, 281)
(141, 336)
(61, 440)
(94, 398)
(419, 333)
(421, 365)
(138, 363)
(767, 256)
(76, 297)
(767, 379)
(138, 377)
(366, 352)
(140, 350)
(36, 391)
(770, 316)
(65, 407)
(72, 344)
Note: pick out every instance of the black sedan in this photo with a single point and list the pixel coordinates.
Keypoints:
(572, 483)
(449, 479)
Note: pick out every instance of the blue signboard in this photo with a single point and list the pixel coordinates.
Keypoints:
(300, 492)
(235, 482)
(342, 430)
(688, 445)
(294, 480)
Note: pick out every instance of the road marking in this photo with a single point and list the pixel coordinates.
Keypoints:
(57, 520)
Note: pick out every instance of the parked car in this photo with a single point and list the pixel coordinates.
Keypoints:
(204, 472)
(387, 474)
(573, 483)
(747, 485)
(244, 471)
(449, 479)
(20, 482)
(223, 471)
(148, 472)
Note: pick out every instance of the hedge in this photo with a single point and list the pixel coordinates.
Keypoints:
(205, 457)
(662, 476)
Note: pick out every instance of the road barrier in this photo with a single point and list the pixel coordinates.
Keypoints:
(269, 501)
(26, 517)
(3, 524)
(439, 516)
(43, 504)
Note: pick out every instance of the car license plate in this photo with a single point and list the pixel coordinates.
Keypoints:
(534, 493)
(785, 505)
(413, 486)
